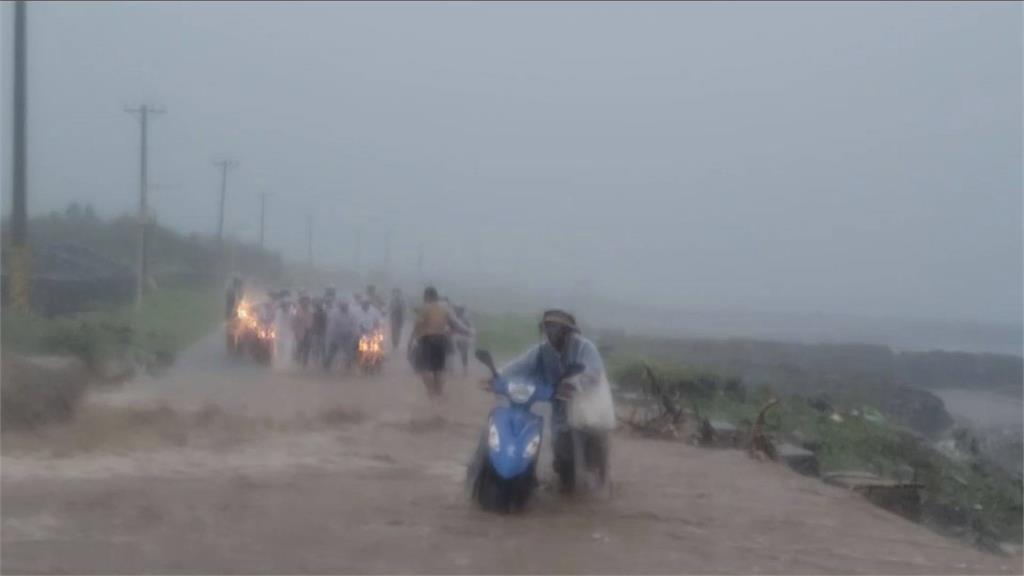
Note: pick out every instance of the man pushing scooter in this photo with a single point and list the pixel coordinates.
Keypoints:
(582, 411)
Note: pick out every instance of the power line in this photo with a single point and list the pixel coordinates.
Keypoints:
(144, 111)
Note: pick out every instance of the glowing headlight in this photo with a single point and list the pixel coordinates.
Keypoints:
(520, 392)
(492, 438)
(532, 447)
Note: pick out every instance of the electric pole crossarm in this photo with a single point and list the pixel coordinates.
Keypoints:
(144, 109)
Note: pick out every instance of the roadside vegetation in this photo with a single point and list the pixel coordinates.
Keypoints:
(50, 363)
(963, 494)
(83, 285)
(169, 320)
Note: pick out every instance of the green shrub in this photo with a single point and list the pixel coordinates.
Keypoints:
(91, 342)
(168, 321)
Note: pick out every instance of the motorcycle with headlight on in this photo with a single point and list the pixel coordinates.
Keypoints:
(503, 473)
(370, 352)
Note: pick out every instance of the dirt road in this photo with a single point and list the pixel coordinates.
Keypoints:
(221, 467)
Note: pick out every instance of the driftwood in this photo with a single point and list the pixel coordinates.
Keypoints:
(760, 446)
(668, 404)
(665, 421)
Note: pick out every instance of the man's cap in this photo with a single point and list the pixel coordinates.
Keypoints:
(559, 318)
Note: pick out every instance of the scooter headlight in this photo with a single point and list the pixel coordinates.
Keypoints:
(532, 447)
(520, 392)
(492, 438)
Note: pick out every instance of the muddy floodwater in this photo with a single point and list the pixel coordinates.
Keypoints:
(224, 467)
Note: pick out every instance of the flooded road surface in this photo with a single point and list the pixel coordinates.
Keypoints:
(224, 467)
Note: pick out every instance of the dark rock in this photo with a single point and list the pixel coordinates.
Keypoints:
(799, 459)
(821, 404)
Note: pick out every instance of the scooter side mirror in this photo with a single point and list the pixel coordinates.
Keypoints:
(486, 359)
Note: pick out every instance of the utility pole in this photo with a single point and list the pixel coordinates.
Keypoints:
(144, 112)
(19, 210)
(309, 249)
(309, 242)
(224, 166)
(263, 217)
(419, 262)
(358, 251)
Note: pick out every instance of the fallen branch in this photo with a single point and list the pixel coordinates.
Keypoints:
(761, 446)
(669, 405)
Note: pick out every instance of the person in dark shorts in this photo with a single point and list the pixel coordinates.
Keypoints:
(431, 333)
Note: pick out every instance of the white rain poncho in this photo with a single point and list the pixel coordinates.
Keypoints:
(592, 406)
(284, 343)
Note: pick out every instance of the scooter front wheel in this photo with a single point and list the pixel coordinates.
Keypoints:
(495, 493)
(504, 495)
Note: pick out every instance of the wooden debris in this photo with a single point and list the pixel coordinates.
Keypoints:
(760, 446)
(665, 420)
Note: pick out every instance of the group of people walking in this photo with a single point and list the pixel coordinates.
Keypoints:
(326, 330)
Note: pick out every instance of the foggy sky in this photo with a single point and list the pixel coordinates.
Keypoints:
(846, 158)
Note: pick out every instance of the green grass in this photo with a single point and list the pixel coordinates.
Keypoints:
(181, 316)
(168, 321)
(505, 335)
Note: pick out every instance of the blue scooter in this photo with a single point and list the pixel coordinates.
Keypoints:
(503, 472)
